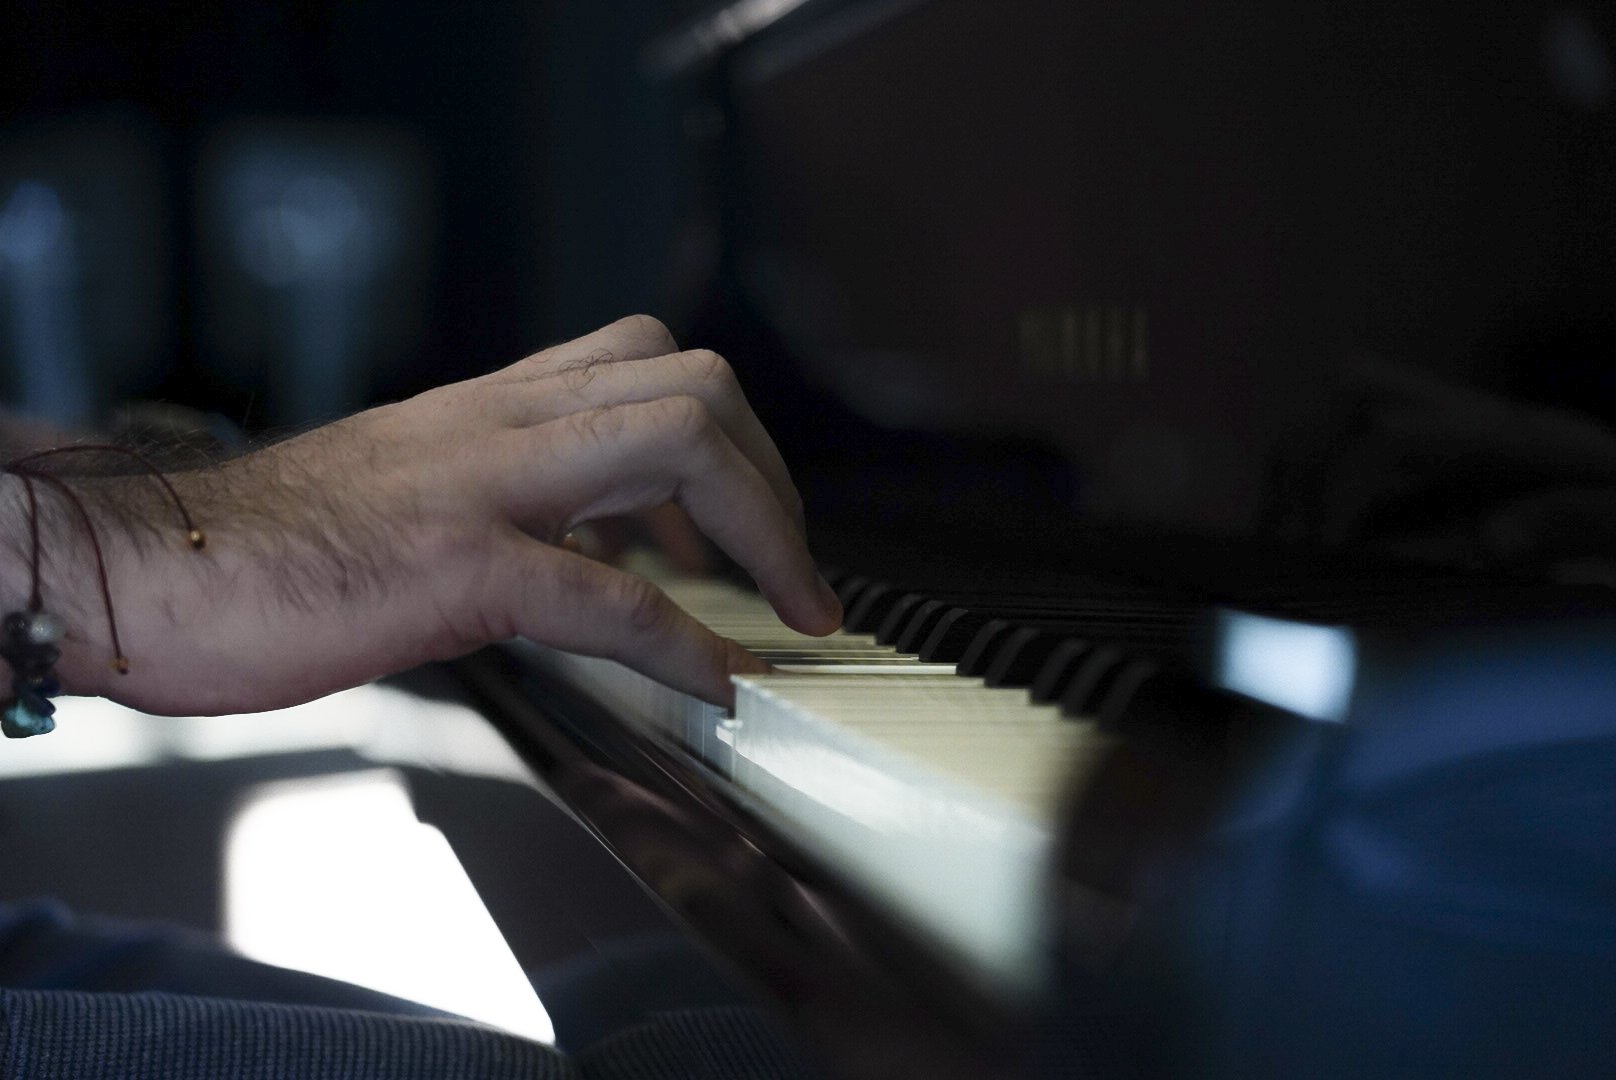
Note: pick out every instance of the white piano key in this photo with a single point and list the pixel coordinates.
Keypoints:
(934, 793)
(948, 821)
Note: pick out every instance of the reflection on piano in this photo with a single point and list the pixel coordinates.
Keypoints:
(950, 840)
(1138, 754)
(936, 792)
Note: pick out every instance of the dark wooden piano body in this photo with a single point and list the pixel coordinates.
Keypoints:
(1092, 291)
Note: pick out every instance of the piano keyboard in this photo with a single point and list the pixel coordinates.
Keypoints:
(935, 786)
(933, 793)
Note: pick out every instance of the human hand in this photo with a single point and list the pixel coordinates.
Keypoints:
(423, 530)
(665, 529)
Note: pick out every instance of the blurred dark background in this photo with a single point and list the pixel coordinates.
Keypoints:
(280, 210)
(1008, 265)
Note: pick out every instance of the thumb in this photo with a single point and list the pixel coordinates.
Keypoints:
(563, 599)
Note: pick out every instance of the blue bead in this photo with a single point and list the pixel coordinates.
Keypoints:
(35, 702)
(19, 721)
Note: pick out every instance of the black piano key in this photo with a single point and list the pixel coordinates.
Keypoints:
(850, 588)
(1125, 681)
(872, 606)
(1160, 624)
(979, 653)
(950, 635)
(942, 622)
(1006, 654)
(1079, 698)
(1022, 657)
(896, 616)
(1059, 667)
(918, 625)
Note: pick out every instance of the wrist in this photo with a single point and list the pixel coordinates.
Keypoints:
(31, 636)
(72, 553)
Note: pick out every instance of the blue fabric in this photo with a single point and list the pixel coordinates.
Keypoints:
(93, 999)
(625, 983)
(73, 1035)
(718, 1043)
(90, 998)
(44, 946)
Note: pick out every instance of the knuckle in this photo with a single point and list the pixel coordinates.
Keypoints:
(710, 369)
(649, 332)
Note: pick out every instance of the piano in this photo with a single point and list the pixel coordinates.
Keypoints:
(1186, 401)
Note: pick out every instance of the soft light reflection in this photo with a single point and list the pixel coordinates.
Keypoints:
(316, 223)
(40, 284)
(1306, 668)
(337, 877)
(380, 722)
(966, 866)
(875, 795)
(334, 875)
(1579, 61)
(724, 28)
(33, 223)
(91, 734)
(314, 226)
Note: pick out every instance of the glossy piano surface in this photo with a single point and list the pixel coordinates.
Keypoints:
(1226, 398)
(1193, 882)
(1134, 261)
(938, 795)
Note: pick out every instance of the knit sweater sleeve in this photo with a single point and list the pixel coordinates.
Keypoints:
(71, 1035)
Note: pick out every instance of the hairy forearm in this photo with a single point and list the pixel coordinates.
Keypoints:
(303, 586)
(420, 531)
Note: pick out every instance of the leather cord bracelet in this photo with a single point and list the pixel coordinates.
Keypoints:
(29, 638)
